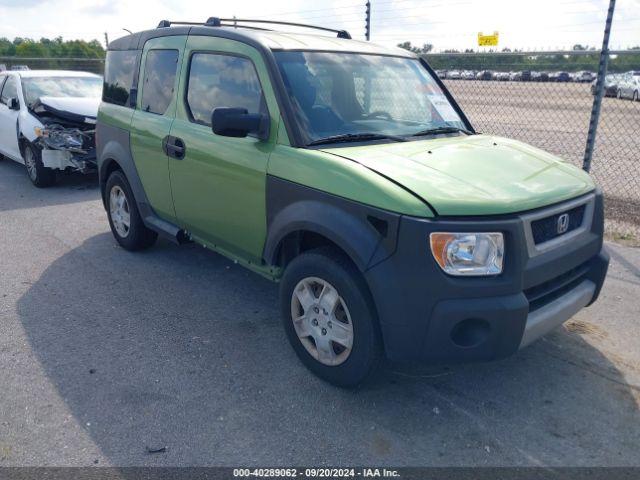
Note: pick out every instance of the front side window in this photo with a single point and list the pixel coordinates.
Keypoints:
(120, 69)
(9, 90)
(217, 80)
(159, 80)
(349, 93)
(85, 87)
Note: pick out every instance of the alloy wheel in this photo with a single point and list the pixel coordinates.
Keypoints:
(30, 163)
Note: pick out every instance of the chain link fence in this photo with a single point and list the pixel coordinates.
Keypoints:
(541, 98)
(545, 99)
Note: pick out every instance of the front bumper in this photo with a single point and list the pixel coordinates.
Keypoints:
(63, 160)
(427, 315)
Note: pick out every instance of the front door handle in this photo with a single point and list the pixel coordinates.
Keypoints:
(174, 147)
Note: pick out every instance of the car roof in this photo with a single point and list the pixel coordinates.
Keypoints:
(51, 73)
(270, 39)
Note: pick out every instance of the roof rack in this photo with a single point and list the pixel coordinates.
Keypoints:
(233, 22)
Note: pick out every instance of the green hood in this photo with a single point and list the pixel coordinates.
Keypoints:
(474, 175)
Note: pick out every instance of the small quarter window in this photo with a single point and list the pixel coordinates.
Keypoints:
(217, 80)
(159, 80)
(120, 71)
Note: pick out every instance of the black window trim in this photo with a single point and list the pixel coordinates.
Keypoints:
(175, 79)
(185, 98)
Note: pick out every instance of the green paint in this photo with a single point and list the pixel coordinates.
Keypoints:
(148, 130)
(474, 175)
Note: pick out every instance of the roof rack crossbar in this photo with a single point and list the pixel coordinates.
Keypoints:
(168, 23)
(233, 22)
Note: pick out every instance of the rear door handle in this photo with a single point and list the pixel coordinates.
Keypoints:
(174, 147)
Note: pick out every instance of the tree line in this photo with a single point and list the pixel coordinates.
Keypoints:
(50, 48)
(513, 60)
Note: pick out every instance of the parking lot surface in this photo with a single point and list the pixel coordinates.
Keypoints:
(106, 354)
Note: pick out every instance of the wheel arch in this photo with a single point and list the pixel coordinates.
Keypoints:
(300, 218)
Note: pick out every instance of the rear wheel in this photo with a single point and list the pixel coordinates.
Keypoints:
(39, 175)
(124, 218)
(635, 96)
(329, 317)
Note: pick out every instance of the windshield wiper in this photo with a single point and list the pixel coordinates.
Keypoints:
(356, 137)
(430, 131)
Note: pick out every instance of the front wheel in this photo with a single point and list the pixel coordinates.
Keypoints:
(124, 218)
(39, 175)
(329, 317)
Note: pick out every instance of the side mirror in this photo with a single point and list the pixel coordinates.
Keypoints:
(238, 122)
(13, 104)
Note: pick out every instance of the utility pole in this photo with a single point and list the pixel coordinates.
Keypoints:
(106, 39)
(367, 28)
(597, 99)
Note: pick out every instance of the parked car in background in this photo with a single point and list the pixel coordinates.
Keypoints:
(515, 76)
(47, 121)
(484, 75)
(562, 77)
(525, 76)
(629, 87)
(584, 76)
(454, 75)
(502, 76)
(19, 68)
(392, 227)
(468, 75)
(442, 74)
(3, 67)
(610, 86)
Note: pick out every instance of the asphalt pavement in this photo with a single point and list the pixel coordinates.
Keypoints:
(106, 355)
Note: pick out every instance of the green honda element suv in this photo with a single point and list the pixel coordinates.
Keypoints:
(347, 172)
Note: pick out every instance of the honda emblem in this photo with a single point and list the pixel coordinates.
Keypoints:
(563, 223)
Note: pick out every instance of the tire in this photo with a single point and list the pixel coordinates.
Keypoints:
(619, 94)
(330, 271)
(124, 218)
(40, 176)
(635, 96)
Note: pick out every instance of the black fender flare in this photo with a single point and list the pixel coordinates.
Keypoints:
(366, 234)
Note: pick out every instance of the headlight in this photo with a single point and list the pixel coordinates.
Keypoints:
(468, 254)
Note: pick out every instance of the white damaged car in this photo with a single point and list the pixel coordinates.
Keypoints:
(47, 121)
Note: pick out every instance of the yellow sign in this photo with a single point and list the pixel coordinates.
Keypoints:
(488, 40)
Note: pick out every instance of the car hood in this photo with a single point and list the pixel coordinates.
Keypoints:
(82, 109)
(473, 175)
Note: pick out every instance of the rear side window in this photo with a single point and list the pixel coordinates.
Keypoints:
(159, 80)
(217, 80)
(9, 90)
(119, 76)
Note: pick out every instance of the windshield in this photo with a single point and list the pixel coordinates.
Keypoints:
(348, 93)
(35, 87)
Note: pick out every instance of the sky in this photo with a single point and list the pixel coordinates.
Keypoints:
(531, 25)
